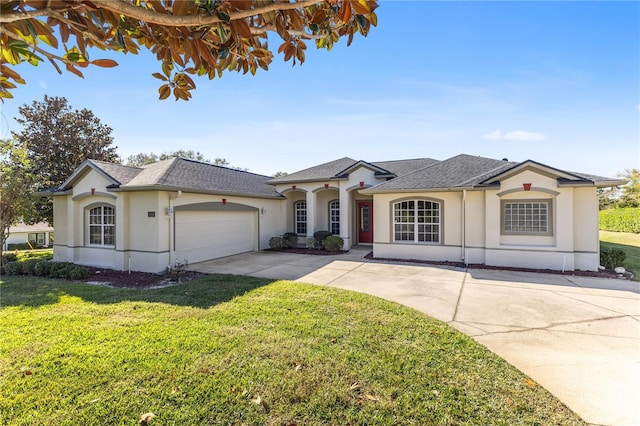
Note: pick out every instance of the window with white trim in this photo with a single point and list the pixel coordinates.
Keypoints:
(102, 226)
(528, 217)
(300, 209)
(334, 217)
(417, 221)
(36, 238)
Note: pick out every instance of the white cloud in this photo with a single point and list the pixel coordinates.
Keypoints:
(43, 84)
(496, 134)
(517, 135)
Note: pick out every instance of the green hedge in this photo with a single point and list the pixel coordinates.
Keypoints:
(620, 220)
(46, 268)
(333, 243)
(611, 258)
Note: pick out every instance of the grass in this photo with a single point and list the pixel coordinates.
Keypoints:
(246, 351)
(629, 243)
(30, 254)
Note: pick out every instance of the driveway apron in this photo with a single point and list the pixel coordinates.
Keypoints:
(578, 337)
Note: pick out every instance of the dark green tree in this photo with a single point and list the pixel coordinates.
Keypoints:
(142, 159)
(58, 139)
(630, 193)
(16, 201)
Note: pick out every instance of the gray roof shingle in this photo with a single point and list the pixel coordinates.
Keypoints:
(118, 172)
(320, 172)
(335, 168)
(191, 175)
(404, 167)
(459, 171)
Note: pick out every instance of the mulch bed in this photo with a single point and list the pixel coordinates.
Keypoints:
(124, 279)
(595, 274)
(302, 250)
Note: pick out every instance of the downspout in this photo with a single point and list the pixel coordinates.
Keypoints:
(464, 225)
(171, 227)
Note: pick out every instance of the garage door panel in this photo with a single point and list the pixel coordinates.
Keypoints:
(208, 235)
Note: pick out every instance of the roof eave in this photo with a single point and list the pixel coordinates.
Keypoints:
(373, 190)
(125, 188)
(608, 183)
(53, 192)
(297, 181)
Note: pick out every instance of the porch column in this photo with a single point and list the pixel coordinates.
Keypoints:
(311, 213)
(345, 217)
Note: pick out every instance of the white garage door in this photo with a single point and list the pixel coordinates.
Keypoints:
(208, 235)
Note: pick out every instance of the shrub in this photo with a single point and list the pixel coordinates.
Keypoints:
(611, 258)
(19, 246)
(29, 266)
(13, 268)
(9, 257)
(620, 220)
(276, 243)
(333, 243)
(290, 240)
(78, 273)
(43, 268)
(311, 243)
(320, 237)
(61, 269)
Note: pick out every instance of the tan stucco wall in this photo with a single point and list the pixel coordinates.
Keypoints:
(270, 212)
(573, 243)
(549, 252)
(586, 239)
(451, 228)
(317, 197)
(324, 197)
(142, 242)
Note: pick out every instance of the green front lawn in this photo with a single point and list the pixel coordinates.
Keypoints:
(246, 351)
(629, 243)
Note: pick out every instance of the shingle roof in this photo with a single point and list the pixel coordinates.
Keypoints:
(403, 167)
(334, 168)
(598, 179)
(184, 174)
(118, 172)
(459, 171)
(320, 172)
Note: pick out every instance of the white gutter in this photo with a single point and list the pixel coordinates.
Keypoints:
(171, 227)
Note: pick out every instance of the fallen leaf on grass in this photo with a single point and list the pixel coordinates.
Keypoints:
(371, 397)
(354, 386)
(298, 367)
(146, 418)
(258, 400)
(175, 389)
(27, 372)
(531, 383)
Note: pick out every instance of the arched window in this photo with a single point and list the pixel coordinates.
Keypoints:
(300, 211)
(102, 225)
(417, 221)
(334, 217)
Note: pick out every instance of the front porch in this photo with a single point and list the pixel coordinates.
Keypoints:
(343, 212)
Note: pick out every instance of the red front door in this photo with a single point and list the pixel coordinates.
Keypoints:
(365, 221)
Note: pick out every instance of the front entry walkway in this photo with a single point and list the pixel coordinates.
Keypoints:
(578, 337)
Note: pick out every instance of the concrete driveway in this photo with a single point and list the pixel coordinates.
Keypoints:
(578, 337)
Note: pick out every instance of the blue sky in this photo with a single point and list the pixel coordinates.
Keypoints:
(556, 82)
